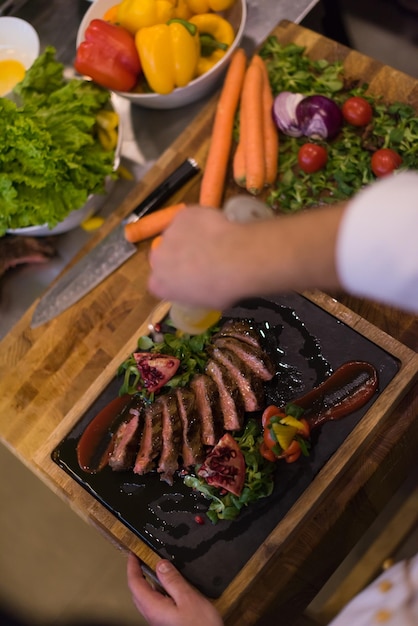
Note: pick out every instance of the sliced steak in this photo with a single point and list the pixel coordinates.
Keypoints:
(208, 408)
(192, 447)
(240, 329)
(230, 398)
(151, 439)
(127, 438)
(256, 359)
(250, 385)
(171, 438)
(17, 250)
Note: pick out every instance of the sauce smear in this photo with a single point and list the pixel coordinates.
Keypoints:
(345, 391)
(96, 442)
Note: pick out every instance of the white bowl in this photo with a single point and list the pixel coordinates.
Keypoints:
(19, 41)
(196, 89)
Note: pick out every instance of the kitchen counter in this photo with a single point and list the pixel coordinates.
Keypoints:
(51, 374)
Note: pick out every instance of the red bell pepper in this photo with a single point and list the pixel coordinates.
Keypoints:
(109, 56)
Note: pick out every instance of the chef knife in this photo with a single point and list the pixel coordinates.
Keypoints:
(109, 254)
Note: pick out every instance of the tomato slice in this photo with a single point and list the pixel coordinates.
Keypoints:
(267, 453)
(269, 412)
(224, 467)
(292, 453)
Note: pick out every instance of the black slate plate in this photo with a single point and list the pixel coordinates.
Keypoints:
(307, 344)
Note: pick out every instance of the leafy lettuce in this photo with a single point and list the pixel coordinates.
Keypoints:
(50, 157)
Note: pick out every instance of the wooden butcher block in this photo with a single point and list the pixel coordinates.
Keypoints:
(51, 375)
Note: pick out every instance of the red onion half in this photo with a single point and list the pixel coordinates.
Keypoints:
(319, 117)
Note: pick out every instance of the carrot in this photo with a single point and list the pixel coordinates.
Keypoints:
(270, 132)
(251, 123)
(214, 175)
(156, 242)
(152, 224)
(238, 163)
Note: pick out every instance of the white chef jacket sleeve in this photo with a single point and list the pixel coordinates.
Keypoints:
(392, 599)
(377, 245)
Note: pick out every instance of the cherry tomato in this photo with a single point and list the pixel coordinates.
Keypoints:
(384, 161)
(306, 431)
(268, 438)
(269, 412)
(292, 453)
(267, 453)
(357, 111)
(312, 157)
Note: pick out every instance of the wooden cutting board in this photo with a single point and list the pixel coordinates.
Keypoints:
(52, 373)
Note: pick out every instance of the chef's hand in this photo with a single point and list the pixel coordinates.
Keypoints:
(200, 259)
(183, 607)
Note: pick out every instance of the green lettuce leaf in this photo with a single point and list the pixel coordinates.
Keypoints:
(50, 157)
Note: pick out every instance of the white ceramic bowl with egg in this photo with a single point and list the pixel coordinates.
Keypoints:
(19, 47)
(197, 88)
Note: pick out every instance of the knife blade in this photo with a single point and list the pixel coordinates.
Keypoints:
(109, 254)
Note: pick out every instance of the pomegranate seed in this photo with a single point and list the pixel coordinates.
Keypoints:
(157, 328)
(199, 519)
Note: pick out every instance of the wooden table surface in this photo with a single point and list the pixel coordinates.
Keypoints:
(50, 374)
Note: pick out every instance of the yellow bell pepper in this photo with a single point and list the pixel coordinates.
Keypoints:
(204, 6)
(182, 10)
(169, 54)
(216, 35)
(136, 14)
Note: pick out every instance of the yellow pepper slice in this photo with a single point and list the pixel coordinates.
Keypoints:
(136, 14)
(204, 6)
(216, 35)
(284, 434)
(169, 54)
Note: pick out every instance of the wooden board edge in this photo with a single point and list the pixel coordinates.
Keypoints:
(358, 439)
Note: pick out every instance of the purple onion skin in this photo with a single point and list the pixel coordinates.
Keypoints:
(319, 117)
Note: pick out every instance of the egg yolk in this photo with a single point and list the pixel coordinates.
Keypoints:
(11, 73)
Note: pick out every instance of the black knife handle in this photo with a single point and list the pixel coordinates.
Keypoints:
(174, 181)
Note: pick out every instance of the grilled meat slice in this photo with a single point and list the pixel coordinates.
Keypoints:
(17, 250)
(249, 384)
(151, 439)
(192, 447)
(171, 438)
(127, 438)
(256, 359)
(239, 329)
(231, 403)
(208, 408)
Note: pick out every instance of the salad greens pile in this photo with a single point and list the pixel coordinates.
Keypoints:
(190, 349)
(348, 166)
(50, 157)
(259, 478)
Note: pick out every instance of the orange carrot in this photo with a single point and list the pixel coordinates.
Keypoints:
(156, 242)
(214, 175)
(152, 224)
(251, 122)
(238, 163)
(270, 132)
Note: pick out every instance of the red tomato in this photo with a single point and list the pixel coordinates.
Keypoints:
(267, 453)
(292, 453)
(268, 438)
(384, 161)
(357, 111)
(306, 431)
(269, 412)
(224, 467)
(312, 157)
